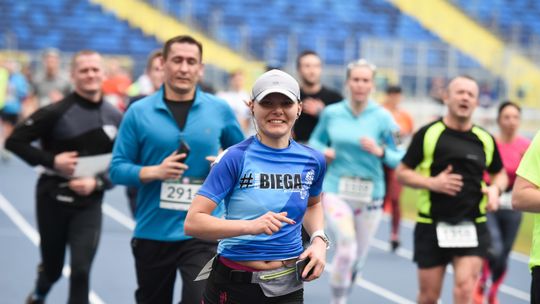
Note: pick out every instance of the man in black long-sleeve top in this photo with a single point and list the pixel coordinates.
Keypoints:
(313, 94)
(69, 207)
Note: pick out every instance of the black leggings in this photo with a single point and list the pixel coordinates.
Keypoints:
(59, 226)
(503, 226)
(535, 285)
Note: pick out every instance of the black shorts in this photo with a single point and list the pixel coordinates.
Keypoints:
(427, 252)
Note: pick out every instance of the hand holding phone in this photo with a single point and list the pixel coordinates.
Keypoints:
(300, 266)
(183, 148)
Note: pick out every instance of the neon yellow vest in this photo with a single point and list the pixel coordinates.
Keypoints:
(431, 137)
(529, 169)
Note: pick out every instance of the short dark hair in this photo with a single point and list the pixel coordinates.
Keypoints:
(155, 54)
(393, 89)
(82, 53)
(181, 39)
(504, 105)
(304, 54)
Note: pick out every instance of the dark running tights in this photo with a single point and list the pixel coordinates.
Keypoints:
(503, 226)
(61, 226)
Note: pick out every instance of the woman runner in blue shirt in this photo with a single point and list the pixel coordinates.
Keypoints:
(269, 185)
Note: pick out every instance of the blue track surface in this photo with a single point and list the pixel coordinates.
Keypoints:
(387, 278)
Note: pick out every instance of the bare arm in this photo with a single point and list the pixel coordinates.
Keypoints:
(499, 182)
(201, 224)
(525, 196)
(313, 221)
(314, 216)
(445, 182)
(411, 178)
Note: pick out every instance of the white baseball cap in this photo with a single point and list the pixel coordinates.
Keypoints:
(276, 81)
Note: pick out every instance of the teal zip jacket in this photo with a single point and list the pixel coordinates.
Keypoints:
(340, 129)
(148, 134)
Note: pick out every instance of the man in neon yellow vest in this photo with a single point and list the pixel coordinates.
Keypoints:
(446, 160)
(526, 197)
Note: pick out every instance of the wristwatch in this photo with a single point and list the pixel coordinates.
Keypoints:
(322, 235)
(99, 183)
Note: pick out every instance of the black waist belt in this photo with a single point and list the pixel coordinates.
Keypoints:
(234, 275)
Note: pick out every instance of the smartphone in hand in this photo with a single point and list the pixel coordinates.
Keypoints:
(300, 265)
(183, 148)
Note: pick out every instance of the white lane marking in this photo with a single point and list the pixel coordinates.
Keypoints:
(19, 220)
(385, 293)
(118, 216)
(525, 296)
(376, 289)
(33, 236)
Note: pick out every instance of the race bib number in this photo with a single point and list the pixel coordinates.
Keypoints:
(462, 235)
(355, 190)
(178, 194)
(505, 201)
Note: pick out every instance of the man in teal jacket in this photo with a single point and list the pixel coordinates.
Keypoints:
(147, 155)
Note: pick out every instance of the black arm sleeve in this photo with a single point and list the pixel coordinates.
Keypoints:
(415, 152)
(496, 163)
(31, 129)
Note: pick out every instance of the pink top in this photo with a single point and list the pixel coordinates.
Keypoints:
(232, 264)
(511, 154)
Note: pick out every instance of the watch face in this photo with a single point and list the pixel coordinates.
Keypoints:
(323, 237)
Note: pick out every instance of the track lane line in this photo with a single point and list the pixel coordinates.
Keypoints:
(32, 234)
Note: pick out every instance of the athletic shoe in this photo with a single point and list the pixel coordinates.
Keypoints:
(32, 299)
(493, 300)
(394, 244)
(478, 293)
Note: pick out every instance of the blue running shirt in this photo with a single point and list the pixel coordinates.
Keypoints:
(252, 179)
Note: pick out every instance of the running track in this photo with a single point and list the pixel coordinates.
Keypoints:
(387, 278)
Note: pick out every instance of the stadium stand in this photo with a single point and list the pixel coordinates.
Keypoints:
(516, 21)
(234, 32)
(70, 25)
(331, 23)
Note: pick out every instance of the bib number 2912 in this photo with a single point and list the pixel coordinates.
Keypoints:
(176, 195)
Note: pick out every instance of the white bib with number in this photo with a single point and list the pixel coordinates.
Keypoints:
(177, 195)
(462, 235)
(355, 190)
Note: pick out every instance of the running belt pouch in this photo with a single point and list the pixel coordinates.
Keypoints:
(278, 285)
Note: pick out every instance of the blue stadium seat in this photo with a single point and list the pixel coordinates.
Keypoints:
(506, 15)
(335, 21)
(71, 25)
